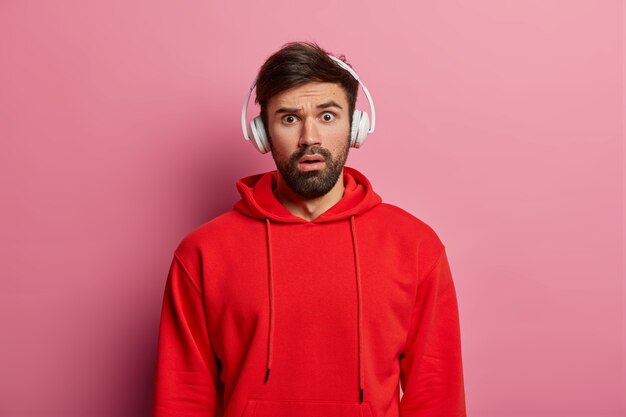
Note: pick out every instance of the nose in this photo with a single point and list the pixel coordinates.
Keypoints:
(309, 134)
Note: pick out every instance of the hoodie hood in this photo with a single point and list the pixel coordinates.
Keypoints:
(258, 200)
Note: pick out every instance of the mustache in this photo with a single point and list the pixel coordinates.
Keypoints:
(311, 150)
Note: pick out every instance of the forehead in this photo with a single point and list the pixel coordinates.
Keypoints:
(310, 93)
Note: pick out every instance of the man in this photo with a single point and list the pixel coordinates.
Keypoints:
(311, 298)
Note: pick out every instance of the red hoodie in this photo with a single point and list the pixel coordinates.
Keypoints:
(267, 314)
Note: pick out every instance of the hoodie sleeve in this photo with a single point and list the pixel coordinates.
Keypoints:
(431, 372)
(187, 370)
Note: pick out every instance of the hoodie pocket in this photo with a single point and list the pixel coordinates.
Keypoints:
(300, 408)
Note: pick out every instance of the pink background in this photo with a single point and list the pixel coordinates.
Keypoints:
(500, 125)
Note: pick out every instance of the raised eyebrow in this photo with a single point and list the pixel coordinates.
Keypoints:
(328, 104)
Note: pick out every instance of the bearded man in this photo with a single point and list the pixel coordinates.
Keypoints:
(311, 297)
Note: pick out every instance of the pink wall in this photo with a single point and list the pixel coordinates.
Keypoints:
(500, 124)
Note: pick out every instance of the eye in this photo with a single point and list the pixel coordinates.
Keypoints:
(328, 116)
(289, 119)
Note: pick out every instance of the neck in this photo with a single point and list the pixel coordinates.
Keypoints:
(307, 208)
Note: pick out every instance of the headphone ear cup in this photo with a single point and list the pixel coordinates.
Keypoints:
(360, 128)
(258, 135)
(354, 128)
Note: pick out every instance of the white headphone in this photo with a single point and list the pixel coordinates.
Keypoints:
(359, 130)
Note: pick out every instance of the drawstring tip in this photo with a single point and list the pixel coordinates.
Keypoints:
(360, 395)
(267, 374)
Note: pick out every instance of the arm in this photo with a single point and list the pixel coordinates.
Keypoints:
(187, 369)
(431, 372)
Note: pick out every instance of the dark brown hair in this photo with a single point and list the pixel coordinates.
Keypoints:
(298, 63)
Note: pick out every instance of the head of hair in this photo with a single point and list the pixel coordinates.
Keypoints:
(298, 63)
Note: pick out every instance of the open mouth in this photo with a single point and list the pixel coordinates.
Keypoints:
(311, 163)
(311, 159)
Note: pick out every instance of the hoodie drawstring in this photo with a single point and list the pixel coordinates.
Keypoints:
(359, 310)
(270, 339)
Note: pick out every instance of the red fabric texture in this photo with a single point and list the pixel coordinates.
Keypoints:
(267, 314)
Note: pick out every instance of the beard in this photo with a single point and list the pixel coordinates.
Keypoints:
(316, 183)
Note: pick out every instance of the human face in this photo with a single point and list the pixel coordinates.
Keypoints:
(309, 129)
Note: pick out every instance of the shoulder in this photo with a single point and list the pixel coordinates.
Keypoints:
(216, 233)
(408, 229)
(401, 218)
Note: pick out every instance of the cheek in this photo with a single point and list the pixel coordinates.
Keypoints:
(338, 135)
(282, 141)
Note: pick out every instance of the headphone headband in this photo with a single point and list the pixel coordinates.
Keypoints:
(365, 90)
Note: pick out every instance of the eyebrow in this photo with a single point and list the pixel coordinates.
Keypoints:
(287, 110)
(326, 105)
